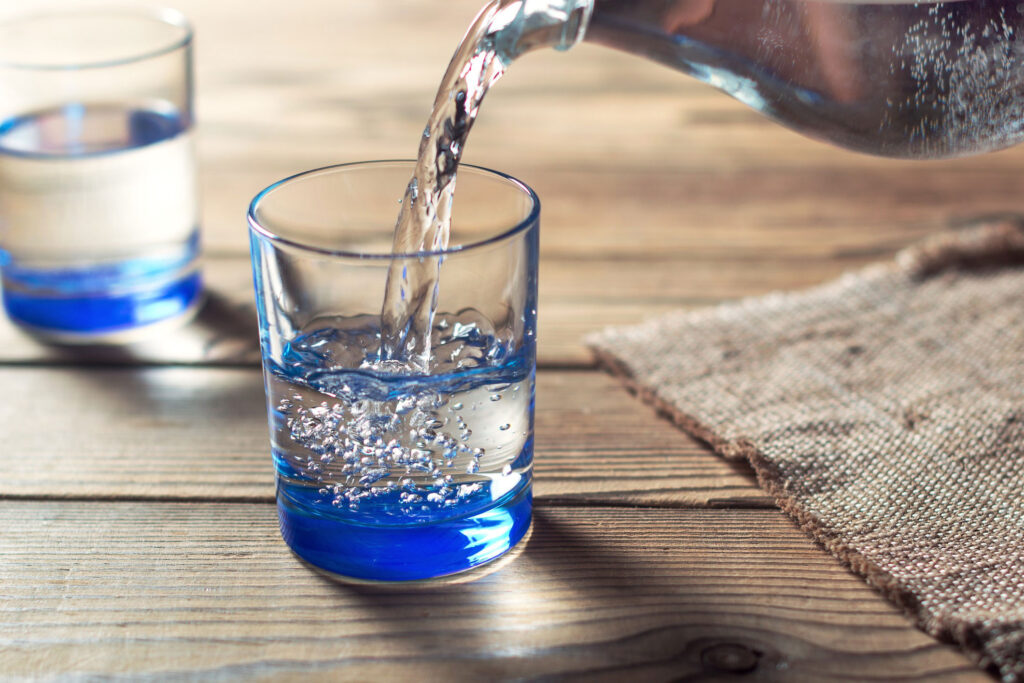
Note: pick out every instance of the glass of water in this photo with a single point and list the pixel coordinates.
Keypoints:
(387, 471)
(98, 192)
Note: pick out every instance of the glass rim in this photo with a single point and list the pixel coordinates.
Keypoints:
(163, 15)
(521, 226)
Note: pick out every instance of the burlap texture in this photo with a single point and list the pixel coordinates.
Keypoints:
(885, 412)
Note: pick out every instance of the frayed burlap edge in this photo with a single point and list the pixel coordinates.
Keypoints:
(996, 243)
(768, 479)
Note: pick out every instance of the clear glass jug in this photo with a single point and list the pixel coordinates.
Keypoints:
(889, 77)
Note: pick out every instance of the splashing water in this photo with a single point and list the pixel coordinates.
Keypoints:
(504, 30)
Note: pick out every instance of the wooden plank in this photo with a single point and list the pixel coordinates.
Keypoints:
(577, 296)
(201, 433)
(592, 210)
(210, 590)
(636, 212)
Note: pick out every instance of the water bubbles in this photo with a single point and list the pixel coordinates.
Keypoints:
(372, 476)
(467, 490)
(405, 404)
(464, 330)
(431, 401)
(372, 445)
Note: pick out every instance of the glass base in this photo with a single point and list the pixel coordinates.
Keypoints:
(87, 318)
(385, 554)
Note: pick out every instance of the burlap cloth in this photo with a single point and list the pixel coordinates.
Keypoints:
(885, 412)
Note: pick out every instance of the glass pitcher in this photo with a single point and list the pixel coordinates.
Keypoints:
(895, 78)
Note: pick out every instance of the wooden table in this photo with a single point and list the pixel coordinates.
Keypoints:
(136, 496)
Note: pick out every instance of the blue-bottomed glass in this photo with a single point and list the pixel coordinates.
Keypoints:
(99, 235)
(390, 473)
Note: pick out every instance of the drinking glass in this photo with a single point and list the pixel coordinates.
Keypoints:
(387, 471)
(98, 197)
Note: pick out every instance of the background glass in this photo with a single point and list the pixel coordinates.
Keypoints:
(98, 196)
(385, 473)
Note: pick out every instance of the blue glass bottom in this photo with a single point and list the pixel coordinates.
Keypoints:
(405, 553)
(95, 302)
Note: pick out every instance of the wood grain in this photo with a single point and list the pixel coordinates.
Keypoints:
(810, 211)
(201, 434)
(210, 590)
(577, 296)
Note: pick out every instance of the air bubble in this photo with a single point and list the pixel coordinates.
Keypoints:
(466, 490)
(405, 404)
